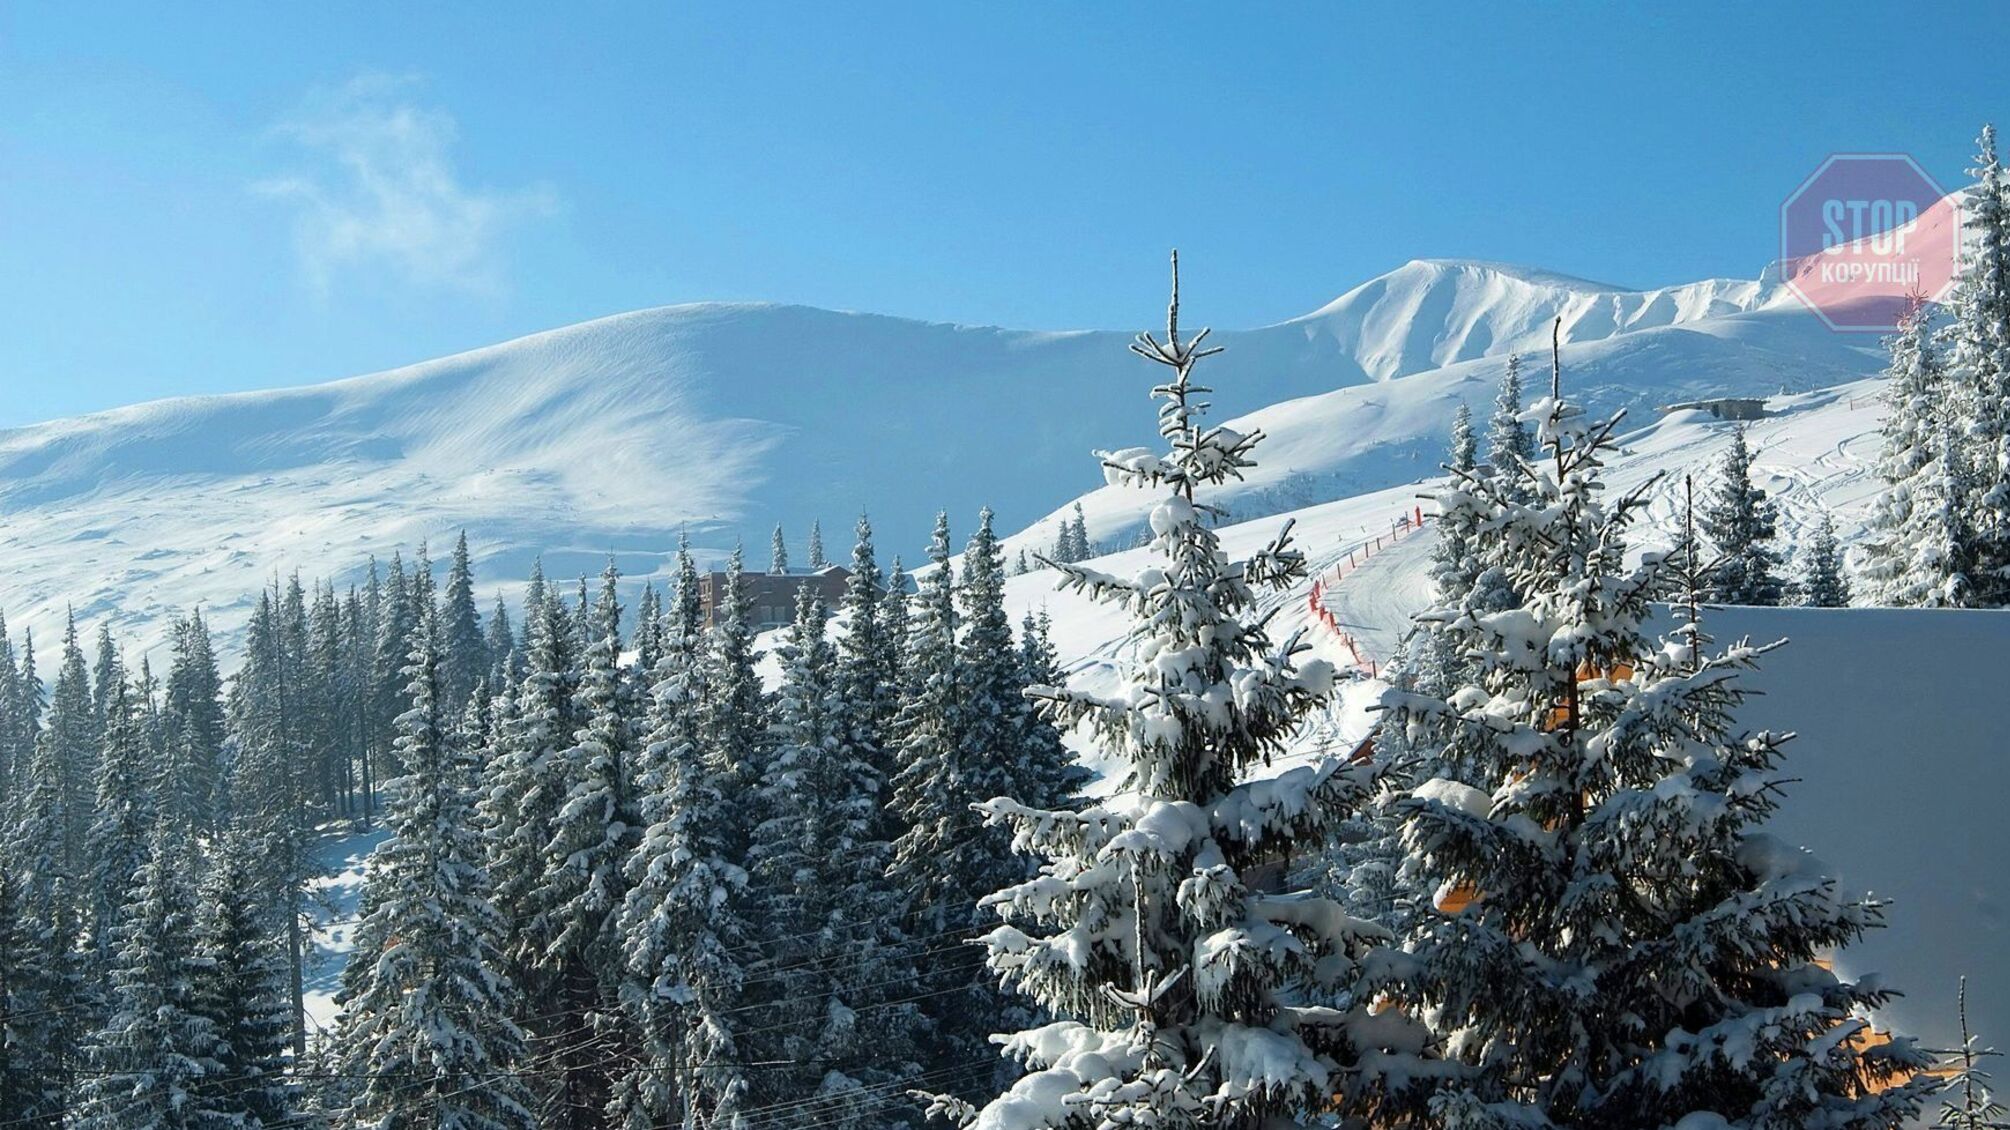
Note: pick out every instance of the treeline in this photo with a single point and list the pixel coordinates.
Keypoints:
(624, 881)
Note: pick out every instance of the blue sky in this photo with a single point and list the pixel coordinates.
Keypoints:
(207, 198)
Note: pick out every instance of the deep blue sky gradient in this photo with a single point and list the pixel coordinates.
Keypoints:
(1024, 164)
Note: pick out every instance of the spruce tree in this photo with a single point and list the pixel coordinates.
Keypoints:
(994, 759)
(1977, 348)
(397, 617)
(148, 1063)
(582, 619)
(122, 820)
(524, 785)
(648, 630)
(1454, 566)
(35, 703)
(535, 592)
(1916, 550)
(893, 624)
(427, 1029)
(41, 992)
(1740, 522)
(1823, 584)
(939, 844)
(501, 639)
(836, 1022)
(1509, 440)
(1618, 942)
(816, 549)
(72, 738)
(734, 707)
(682, 923)
(778, 553)
(592, 832)
(867, 676)
(1172, 978)
(16, 741)
(107, 671)
(326, 698)
(464, 653)
(241, 988)
(1048, 777)
(268, 784)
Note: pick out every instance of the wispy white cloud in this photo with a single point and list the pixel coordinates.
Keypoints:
(383, 192)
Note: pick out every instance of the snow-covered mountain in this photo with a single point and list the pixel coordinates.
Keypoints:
(1430, 313)
(722, 420)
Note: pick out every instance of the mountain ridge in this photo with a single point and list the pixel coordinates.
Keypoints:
(720, 419)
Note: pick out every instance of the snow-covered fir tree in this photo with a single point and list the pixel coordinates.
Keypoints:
(683, 924)
(893, 621)
(1619, 942)
(1048, 771)
(836, 1028)
(1741, 522)
(1072, 544)
(648, 630)
(464, 653)
(1172, 977)
(500, 635)
(106, 670)
(1823, 583)
(928, 744)
(868, 664)
(1976, 344)
(72, 737)
(816, 545)
(1510, 442)
(396, 618)
(524, 786)
(778, 553)
(41, 991)
(122, 821)
(583, 884)
(148, 1063)
(14, 752)
(1916, 550)
(267, 788)
(735, 731)
(1453, 564)
(195, 720)
(241, 989)
(426, 1031)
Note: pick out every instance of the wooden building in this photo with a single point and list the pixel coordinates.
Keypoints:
(773, 595)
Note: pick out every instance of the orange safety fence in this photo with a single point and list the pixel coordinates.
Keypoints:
(1409, 523)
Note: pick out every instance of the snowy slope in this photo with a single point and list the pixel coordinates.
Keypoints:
(724, 419)
(1365, 437)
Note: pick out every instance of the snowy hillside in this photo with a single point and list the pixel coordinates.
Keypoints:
(722, 420)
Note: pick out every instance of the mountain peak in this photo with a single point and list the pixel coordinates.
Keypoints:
(1430, 313)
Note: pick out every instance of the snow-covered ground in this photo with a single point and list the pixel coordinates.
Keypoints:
(333, 901)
